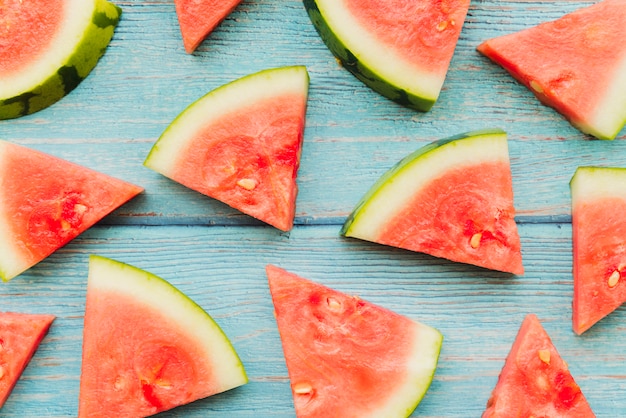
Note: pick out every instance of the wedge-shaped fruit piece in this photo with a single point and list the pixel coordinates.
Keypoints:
(576, 64)
(401, 49)
(45, 202)
(47, 50)
(198, 18)
(147, 347)
(20, 336)
(452, 198)
(535, 381)
(347, 357)
(241, 144)
(599, 243)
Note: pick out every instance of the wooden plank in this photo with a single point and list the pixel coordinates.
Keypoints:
(222, 269)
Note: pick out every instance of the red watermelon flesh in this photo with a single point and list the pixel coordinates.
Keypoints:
(20, 336)
(17, 49)
(535, 380)
(347, 357)
(598, 238)
(45, 202)
(198, 18)
(576, 64)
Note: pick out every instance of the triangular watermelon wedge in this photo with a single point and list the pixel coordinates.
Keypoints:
(241, 144)
(147, 347)
(400, 49)
(347, 357)
(45, 202)
(198, 18)
(20, 336)
(452, 198)
(576, 64)
(535, 380)
(598, 243)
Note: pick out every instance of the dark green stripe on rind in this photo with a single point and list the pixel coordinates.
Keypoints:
(78, 66)
(361, 71)
(399, 166)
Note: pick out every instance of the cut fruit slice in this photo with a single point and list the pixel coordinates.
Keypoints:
(401, 49)
(198, 18)
(20, 336)
(535, 381)
(347, 357)
(45, 202)
(241, 144)
(452, 198)
(599, 243)
(46, 51)
(576, 64)
(147, 347)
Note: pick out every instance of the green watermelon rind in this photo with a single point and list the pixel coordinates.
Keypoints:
(65, 74)
(414, 95)
(220, 101)
(386, 195)
(151, 290)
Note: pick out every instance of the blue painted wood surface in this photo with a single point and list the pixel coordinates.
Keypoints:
(217, 256)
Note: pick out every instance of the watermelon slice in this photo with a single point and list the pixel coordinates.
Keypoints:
(401, 49)
(535, 380)
(576, 64)
(198, 18)
(599, 243)
(347, 357)
(452, 198)
(45, 202)
(147, 347)
(20, 336)
(47, 50)
(241, 144)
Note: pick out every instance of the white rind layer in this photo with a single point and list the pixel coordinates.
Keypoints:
(420, 371)
(592, 183)
(610, 115)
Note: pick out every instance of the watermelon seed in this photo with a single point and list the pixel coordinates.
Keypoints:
(333, 304)
(614, 278)
(442, 25)
(544, 355)
(536, 86)
(248, 184)
(475, 240)
(303, 388)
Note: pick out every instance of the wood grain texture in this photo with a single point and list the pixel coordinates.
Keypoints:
(352, 136)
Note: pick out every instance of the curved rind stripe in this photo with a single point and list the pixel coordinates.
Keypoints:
(406, 85)
(83, 58)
